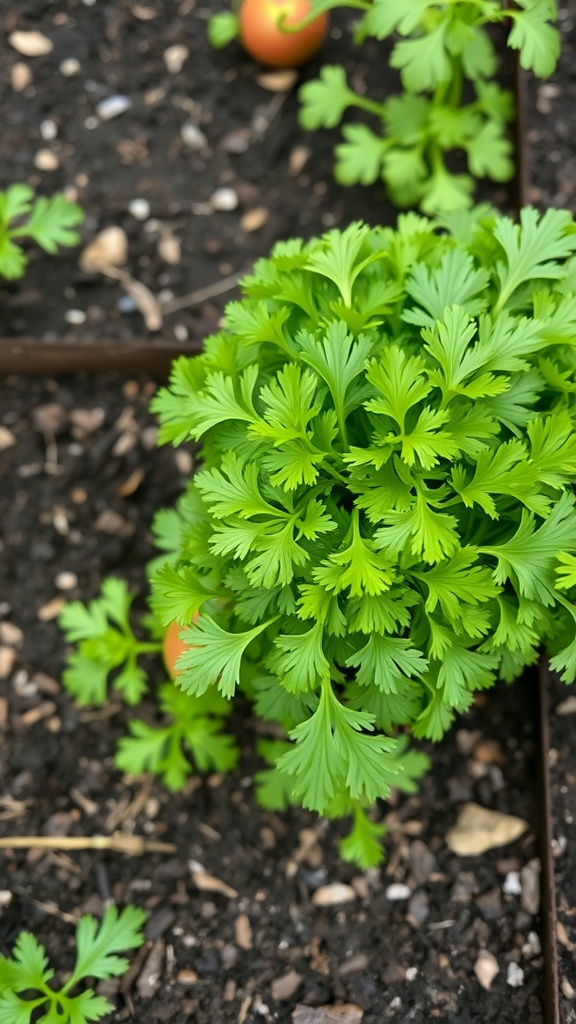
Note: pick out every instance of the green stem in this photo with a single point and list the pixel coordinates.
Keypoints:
(147, 648)
(320, 8)
(365, 104)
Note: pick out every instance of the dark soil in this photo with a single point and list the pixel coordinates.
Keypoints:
(252, 145)
(77, 493)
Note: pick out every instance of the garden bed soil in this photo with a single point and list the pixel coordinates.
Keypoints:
(245, 140)
(76, 497)
(78, 487)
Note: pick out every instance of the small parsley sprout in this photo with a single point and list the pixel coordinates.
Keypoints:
(26, 979)
(49, 222)
(191, 739)
(384, 520)
(438, 47)
(105, 643)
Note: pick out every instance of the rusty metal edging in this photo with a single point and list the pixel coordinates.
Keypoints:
(31, 356)
(548, 885)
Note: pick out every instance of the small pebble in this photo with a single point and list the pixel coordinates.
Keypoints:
(139, 208)
(193, 136)
(224, 199)
(7, 438)
(48, 130)
(174, 57)
(237, 141)
(112, 106)
(398, 891)
(411, 973)
(20, 76)
(512, 885)
(514, 975)
(30, 44)
(126, 304)
(486, 968)
(75, 316)
(70, 67)
(46, 160)
(66, 580)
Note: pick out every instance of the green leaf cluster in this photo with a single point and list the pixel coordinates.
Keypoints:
(27, 990)
(436, 47)
(384, 522)
(49, 222)
(106, 648)
(190, 738)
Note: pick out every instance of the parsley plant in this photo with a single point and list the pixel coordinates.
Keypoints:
(48, 222)
(26, 979)
(443, 52)
(384, 522)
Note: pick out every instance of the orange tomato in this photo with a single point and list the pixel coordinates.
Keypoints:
(173, 646)
(268, 44)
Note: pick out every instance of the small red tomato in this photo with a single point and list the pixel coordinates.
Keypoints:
(173, 646)
(268, 44)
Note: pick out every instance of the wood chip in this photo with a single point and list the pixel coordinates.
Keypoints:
(49, 611)
(243, 932)
(20, 76)
(30, 44)
(254, 219)
(479, 829)
(298, 159)
(3, 711)
(131, 483)
(278, 81)
(347, 1013)
(333, 895)
(108, 249)
(10, 634)
(37, 714)
(285, 986)
(186, 977)
(208, 883)
(486, 968)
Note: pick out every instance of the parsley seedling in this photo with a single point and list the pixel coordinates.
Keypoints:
(48, 222)
(439, 48)
(106, 644)
(26, 979)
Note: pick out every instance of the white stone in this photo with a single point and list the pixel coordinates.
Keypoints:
(48, 130)
(512, 885)
(70, 67)
(139, 208)
(398, 891)
(193, 136)
(113, 106)
(514, 975)
(224, 199)
(75, 316)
